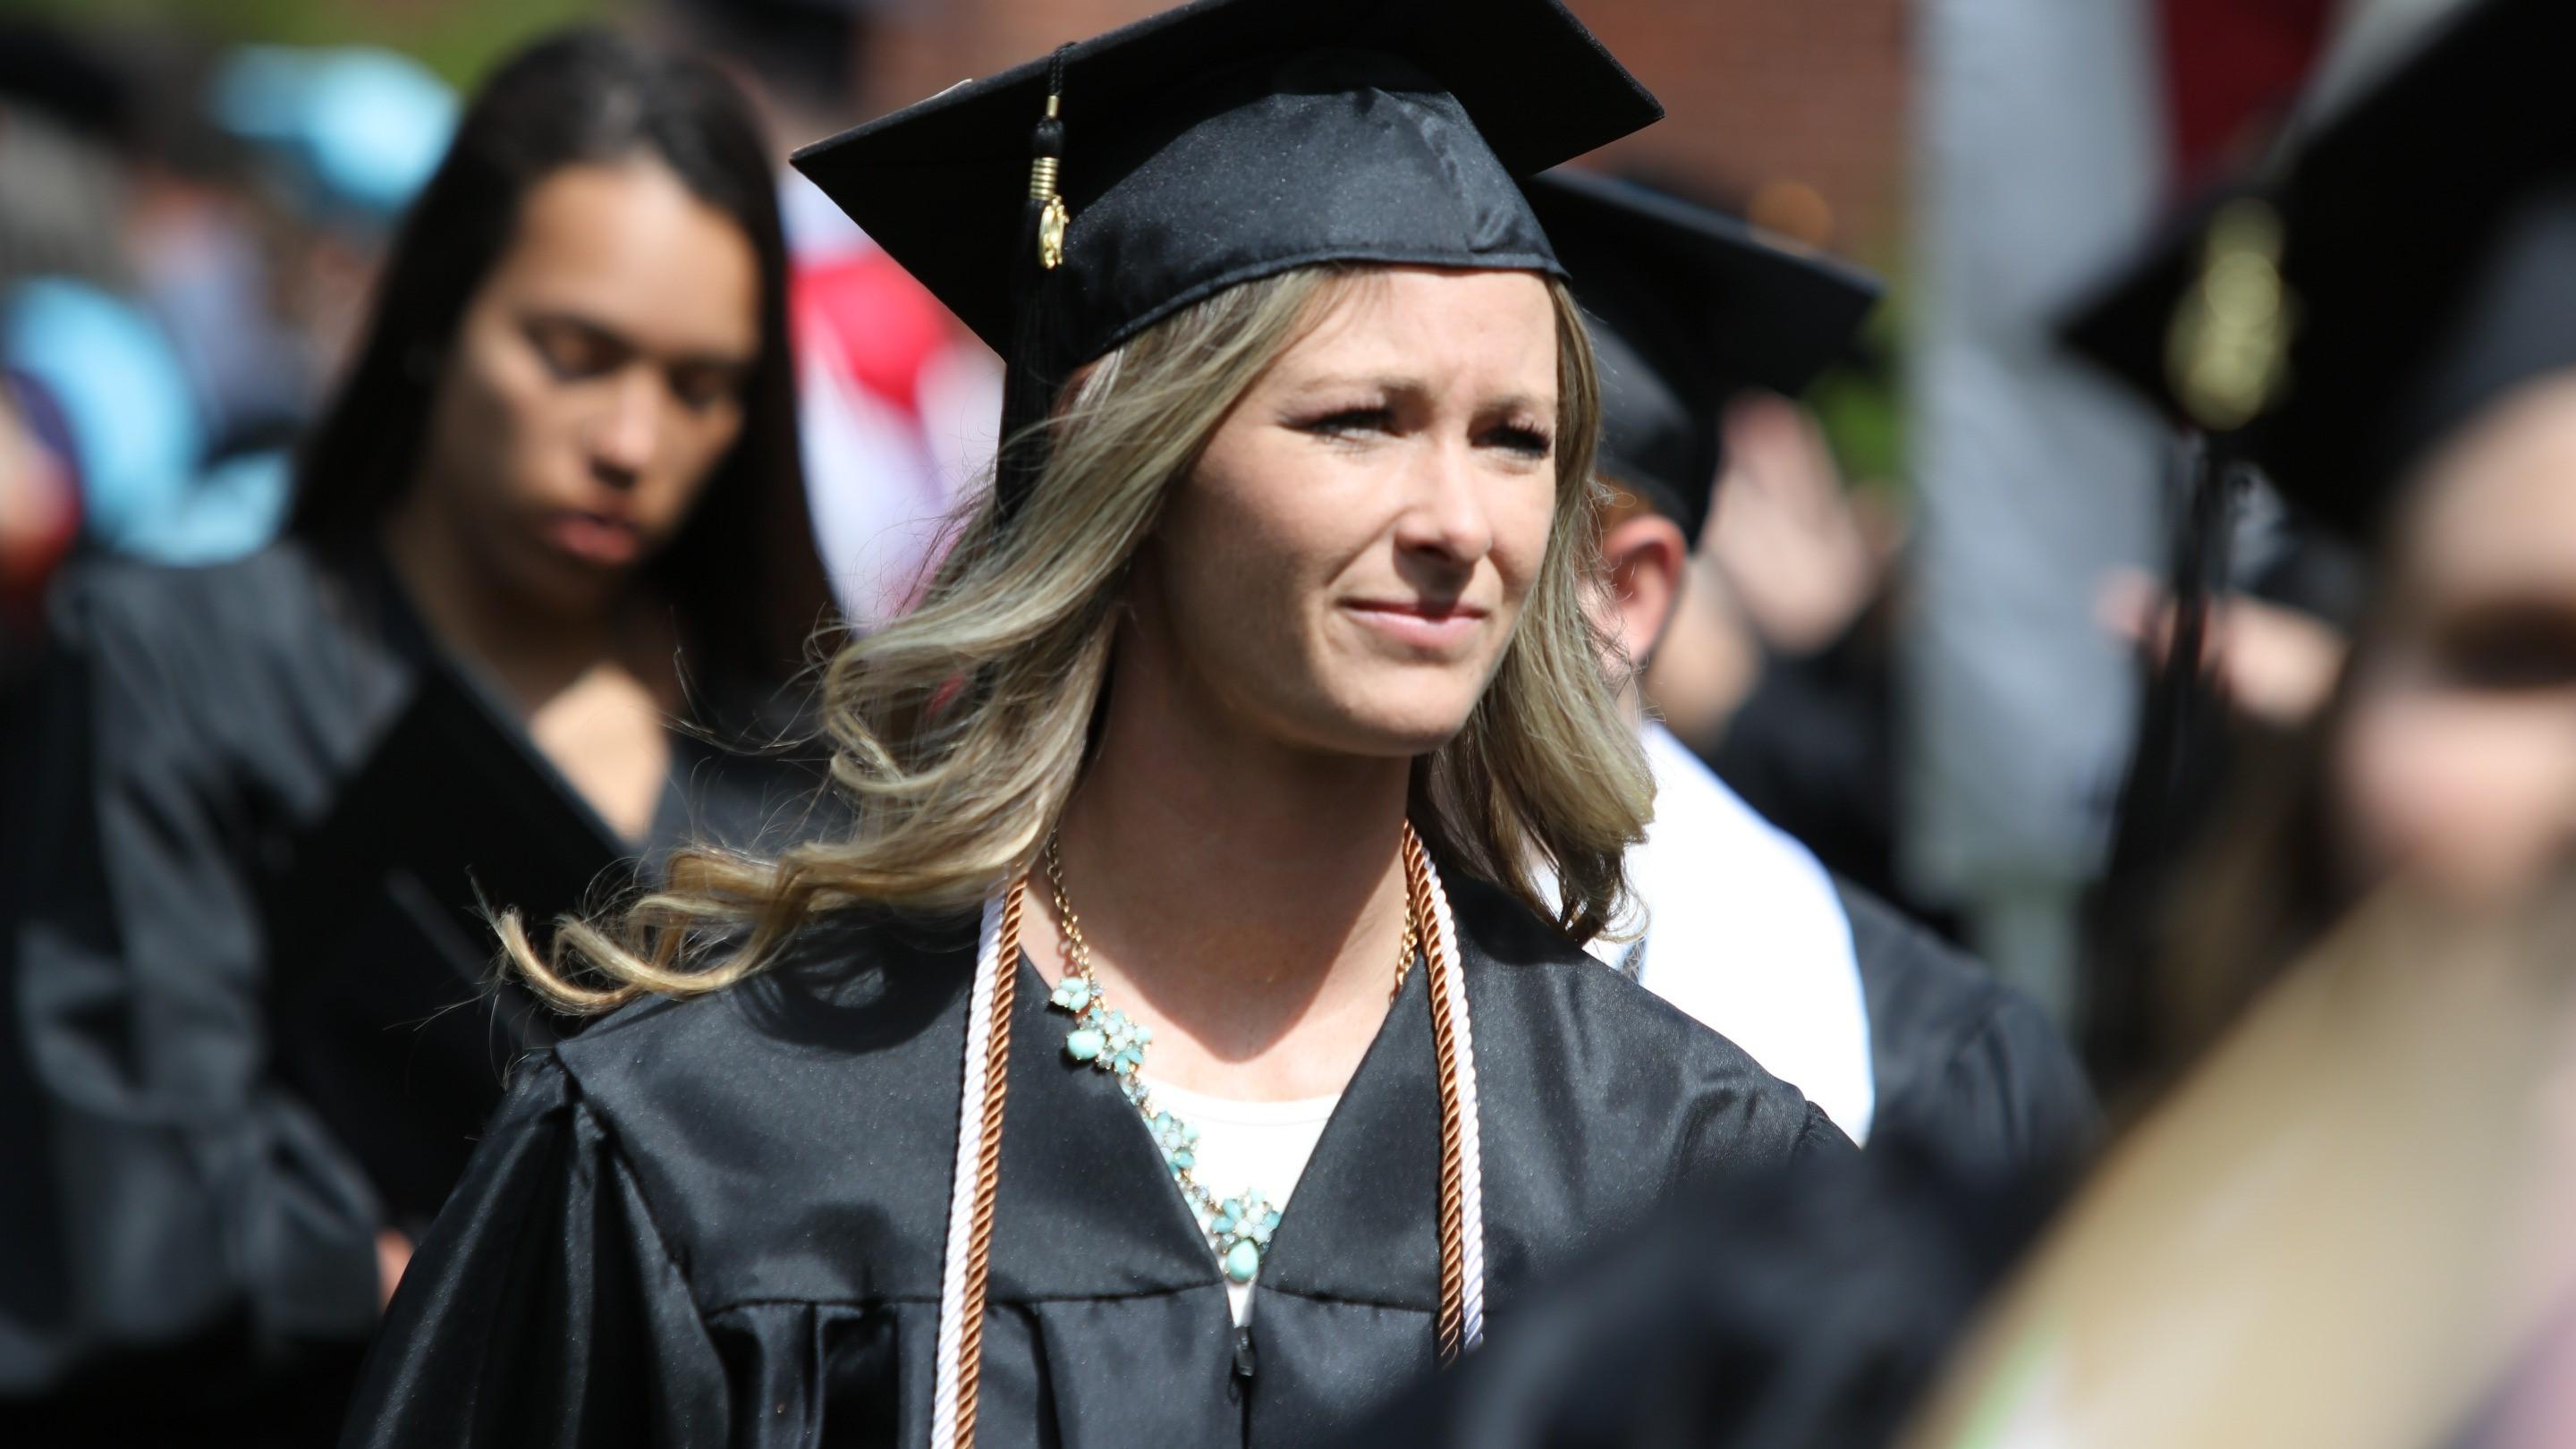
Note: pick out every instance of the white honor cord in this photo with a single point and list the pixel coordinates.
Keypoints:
(961, 1187)
(1471, 1152)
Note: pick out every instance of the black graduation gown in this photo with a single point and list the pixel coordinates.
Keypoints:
(721, 1221)
(1968, 1070)
(194, 1163)
(1846, 1286)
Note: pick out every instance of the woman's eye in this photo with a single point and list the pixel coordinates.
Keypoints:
(1350, 421)
(2501, 666)
(1526, 441)
(2510, 651)
(574, 354)
(700, 388)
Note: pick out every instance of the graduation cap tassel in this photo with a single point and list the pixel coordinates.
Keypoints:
(2227, 362)
(1028, 392)
(2175, 769)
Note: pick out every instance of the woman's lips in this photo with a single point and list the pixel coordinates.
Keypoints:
(594, 538)
(1424, 626)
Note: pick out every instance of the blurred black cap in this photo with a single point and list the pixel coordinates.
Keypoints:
(1688, 307)
(1229, 140)
(2407, 259)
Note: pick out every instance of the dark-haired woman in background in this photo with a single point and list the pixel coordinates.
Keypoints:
(562, 484)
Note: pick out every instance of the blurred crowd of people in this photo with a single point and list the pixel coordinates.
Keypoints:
(193, 232)
(370, 446)
(191, 240)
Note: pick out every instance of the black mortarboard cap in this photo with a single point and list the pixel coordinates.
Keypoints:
(1218, 143)
(2405, 260)
(1688, 307)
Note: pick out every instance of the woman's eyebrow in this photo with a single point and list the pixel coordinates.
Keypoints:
(609, 333)
(1377, 381)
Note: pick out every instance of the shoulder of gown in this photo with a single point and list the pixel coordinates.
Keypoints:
(1971, 1072)
(264, 601)
(1559, 1030)
(546, 1306)
(258, 666)
(817, 1096)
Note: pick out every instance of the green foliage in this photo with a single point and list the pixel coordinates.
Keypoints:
(457, 38)
(1861, 404)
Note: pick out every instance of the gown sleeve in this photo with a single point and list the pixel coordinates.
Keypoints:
(544, 1308)
(169, 1204)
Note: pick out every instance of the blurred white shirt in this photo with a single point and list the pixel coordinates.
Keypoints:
(1744, 931)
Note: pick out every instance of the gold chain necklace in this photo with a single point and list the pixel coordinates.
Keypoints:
(1238, 1228)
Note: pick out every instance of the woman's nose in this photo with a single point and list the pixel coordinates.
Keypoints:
(1445, 513)
(623, 439)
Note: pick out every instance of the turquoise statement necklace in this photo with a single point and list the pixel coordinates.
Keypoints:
(1238, 1228)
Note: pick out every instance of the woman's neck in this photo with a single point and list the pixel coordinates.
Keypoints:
(533, 649)
(1244, 898)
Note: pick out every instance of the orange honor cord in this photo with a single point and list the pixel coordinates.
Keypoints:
(977, 1174)
(1460, 1326)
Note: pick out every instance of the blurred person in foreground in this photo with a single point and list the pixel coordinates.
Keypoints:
(2349, 1224)
(1827, 985)
(1184, 1047)
(547, 550)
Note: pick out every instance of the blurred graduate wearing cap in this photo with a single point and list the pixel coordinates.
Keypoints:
(251, 1031)
(1873, 1017)
(1181, 1048)
(2381, 318)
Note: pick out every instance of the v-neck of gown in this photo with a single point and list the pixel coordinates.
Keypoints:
(408, 635)
(1360, 1227)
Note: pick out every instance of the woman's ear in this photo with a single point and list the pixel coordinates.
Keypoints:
(1643, 561)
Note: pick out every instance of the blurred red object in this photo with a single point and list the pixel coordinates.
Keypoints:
(2231, 67)
(40, 510)
(882, 326)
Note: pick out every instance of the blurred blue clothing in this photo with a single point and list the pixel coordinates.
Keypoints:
(211, 288)
(136, 436)
(135, 432)
(235, 509)
(362, 128)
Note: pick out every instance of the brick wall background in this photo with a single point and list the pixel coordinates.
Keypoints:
(1791, 109)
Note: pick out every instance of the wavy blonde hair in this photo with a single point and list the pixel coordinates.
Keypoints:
(960, 730)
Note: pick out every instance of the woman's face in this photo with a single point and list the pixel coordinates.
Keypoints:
(2457, 759)
(595, 382)
(1343, 569)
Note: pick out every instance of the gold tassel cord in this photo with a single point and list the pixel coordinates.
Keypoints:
(988, 1170)
(1449, 1328)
